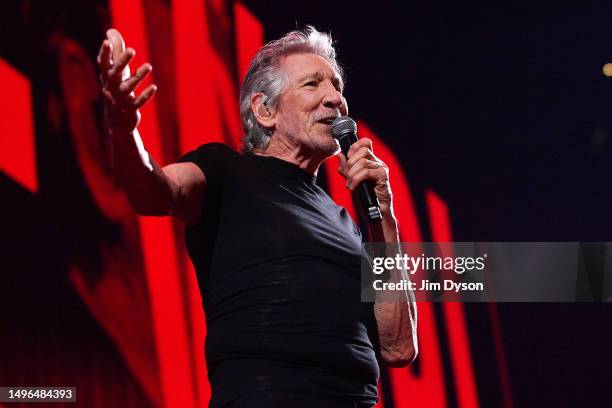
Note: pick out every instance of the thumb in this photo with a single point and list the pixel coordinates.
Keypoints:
(118, 47)
(342, 164)
(114, 36)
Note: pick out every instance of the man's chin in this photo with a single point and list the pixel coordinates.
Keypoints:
(324, 145)
(331, 147)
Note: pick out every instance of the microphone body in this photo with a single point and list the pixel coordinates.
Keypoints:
(344, 130)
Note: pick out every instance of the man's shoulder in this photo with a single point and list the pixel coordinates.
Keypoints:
(215, 151)
(216, 148)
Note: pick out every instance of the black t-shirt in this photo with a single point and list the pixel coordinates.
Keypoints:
(278, 264)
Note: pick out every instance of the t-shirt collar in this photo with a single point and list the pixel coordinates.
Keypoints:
(284, 168)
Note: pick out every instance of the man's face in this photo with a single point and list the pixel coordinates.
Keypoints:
(310, 101)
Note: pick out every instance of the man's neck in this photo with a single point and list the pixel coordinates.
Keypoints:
(291, 154)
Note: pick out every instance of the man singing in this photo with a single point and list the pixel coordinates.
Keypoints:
(277, 261)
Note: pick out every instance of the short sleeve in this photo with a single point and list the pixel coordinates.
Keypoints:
(214, 159)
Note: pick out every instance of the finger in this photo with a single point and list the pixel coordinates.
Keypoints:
(144, 96)
(364, 174)
(360, 154)
(362, 164)
(116, 40)
(363, 142)
(130, 84)
(104, 60)
(119, 70)
(342, 164)
(108, 96)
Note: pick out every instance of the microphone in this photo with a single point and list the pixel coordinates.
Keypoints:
(344, 130)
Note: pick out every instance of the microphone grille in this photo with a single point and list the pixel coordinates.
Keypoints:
(341, 125)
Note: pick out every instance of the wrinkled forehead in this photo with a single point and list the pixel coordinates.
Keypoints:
(298, 67)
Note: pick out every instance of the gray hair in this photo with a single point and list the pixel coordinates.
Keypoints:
(264, 75)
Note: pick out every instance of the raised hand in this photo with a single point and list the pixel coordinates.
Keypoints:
(120, 100)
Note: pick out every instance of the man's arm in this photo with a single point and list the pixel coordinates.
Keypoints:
(176, 189)
(396, 317)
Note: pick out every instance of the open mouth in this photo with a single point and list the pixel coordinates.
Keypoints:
(327, 121)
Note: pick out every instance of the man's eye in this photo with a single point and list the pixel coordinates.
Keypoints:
(311, 83)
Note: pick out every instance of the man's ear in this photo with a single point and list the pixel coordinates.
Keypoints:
(265, 116)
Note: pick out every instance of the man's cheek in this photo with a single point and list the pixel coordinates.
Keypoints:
(344, 107)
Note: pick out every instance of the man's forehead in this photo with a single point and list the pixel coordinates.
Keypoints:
(301, 66)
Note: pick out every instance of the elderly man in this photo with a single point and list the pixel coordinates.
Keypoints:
(278, 262)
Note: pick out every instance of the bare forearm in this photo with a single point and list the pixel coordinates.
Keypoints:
(148, 189)
(396, 315)
(397, 324)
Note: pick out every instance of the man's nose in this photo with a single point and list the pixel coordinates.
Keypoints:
(333, 98)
